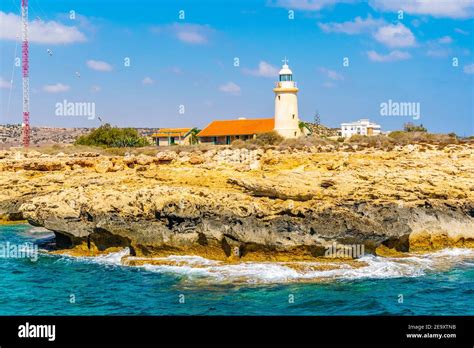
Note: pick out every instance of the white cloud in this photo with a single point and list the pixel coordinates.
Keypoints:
(264, 70)
(460, 31)
(4, 84)
(438, 48)
(194, 34)
(56, 88)
(40, 32)
(230, 88)
(357, 26)
(99, 65)
(469, 69)
(331, 74)
(308, 5)
(148, 81)
(395, 35)
(391, 57)
(191, 37)
(435, 8)
(445, 40)
(96, 88)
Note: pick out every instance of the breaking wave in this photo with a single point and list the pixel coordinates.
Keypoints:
(194, 268)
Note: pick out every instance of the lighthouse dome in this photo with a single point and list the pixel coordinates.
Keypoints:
(285, 70)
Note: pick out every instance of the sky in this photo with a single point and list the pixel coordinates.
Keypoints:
(184, 63)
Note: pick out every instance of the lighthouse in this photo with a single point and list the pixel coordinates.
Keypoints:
(286, 104)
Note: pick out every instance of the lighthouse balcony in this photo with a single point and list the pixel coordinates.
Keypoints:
(286, 84)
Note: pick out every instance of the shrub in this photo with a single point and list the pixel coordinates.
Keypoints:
(410, 127)
(376, 141)
(108, 136)
(309, 141)
(241, 144)
(296, 143)
(270, 138)
(404, 138)
(452, 135)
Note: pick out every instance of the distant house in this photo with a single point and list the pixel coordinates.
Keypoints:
(224, 132)
(172, 136)
(361, 127)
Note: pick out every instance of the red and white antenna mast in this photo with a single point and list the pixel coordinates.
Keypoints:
(25, 68)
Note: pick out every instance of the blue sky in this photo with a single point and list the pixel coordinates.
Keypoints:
(176, 62)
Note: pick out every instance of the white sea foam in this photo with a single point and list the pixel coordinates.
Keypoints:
(375, 267)
(271, 272)
(107, 259)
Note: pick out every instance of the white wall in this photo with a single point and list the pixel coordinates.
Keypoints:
(348, 130)
(286, 113)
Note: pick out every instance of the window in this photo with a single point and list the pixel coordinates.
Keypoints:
(293, 116)
(286, 77)
(278, 97)
(227, 140)
(295, 134)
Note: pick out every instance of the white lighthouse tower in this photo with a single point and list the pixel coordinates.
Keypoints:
(286, 104)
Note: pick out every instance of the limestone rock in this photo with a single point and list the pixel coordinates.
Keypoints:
(289, 207)
(196, 159)
(103, 166)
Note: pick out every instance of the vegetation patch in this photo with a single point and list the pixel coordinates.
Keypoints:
(108, 136)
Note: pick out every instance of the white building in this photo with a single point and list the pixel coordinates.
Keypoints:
(286, 104)
(361, 127)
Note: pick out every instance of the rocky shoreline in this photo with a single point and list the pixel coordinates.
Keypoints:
(246, 205)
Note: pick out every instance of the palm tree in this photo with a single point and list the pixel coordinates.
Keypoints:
(193, 138)
(302, 125)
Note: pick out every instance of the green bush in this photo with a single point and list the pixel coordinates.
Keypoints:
(108, 136)
(410, 127)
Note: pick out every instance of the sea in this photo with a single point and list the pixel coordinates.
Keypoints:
(34, 282)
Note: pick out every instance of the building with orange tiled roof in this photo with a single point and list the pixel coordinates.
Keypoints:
(285, 120)
(226, 131)
(172, 136)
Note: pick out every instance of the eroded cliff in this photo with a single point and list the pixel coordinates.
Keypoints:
(238, 204)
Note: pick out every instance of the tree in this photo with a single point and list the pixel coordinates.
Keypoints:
(108, 136)
(193, 138)
(302, 125)
(317, 118)
(410, 127)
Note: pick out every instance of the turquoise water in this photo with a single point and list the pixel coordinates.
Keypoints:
(441, 284)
